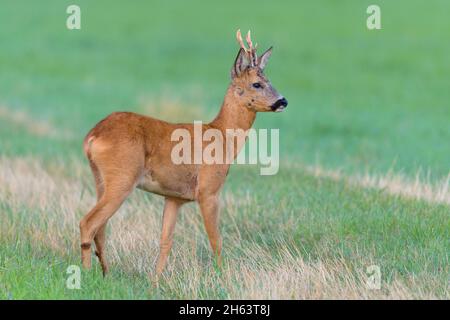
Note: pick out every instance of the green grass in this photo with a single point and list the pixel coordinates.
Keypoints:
(359, 101)
(320, 219)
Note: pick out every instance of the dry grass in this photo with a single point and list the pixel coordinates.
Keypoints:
(48, 206)
(33, 126)
(420, 188)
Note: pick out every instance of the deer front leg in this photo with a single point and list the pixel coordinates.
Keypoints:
(171, 207)
(209, 207)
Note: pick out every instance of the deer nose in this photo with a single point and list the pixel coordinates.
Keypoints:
(280, 102)
(283, 102)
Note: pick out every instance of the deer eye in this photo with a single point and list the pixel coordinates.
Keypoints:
(257, 85)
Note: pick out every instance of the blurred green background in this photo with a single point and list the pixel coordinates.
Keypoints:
(359, 100)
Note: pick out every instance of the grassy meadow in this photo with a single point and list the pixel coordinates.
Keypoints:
(364, 148)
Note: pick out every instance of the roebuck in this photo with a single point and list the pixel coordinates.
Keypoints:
(128, 150)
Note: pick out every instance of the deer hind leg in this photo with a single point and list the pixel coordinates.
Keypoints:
(209, 207)
(100, 236)
(116, 188)
(171, 208)
(100, 239)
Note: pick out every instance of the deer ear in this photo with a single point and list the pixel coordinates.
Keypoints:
(264, 58)
(241, 63)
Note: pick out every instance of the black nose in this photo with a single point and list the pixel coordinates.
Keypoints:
(280, 102)
(283, 102)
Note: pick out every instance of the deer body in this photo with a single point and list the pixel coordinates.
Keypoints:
(128, 150)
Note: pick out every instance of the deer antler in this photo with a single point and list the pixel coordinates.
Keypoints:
(251, 51)
(239, 39)
(249, 41)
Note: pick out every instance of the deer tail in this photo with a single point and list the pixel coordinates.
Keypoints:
(87, 145)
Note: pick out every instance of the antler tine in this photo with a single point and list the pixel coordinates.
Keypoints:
(252, 50)
(249, 40)
(239, 39)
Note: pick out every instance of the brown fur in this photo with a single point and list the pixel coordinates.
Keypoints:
(128, 150)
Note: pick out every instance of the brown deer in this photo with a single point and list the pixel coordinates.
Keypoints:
(127, 150)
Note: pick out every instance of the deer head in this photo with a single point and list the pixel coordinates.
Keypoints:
(251, 87)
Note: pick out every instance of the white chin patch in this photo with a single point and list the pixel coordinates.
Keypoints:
(280, 109)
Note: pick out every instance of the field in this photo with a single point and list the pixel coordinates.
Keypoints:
(364, 148)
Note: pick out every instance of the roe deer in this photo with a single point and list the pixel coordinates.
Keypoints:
(128, 150)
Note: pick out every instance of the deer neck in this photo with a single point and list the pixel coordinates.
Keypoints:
(233, 114)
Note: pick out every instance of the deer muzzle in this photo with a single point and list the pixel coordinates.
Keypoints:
(279, 105)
